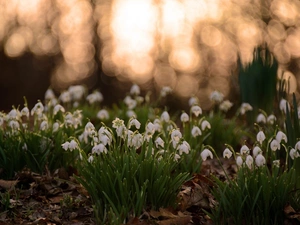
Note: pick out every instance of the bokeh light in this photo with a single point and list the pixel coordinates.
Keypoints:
(192, 45)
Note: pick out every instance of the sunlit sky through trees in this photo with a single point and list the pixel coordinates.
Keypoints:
(189, 45)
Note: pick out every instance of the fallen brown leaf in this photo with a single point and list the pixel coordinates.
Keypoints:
(8, 184)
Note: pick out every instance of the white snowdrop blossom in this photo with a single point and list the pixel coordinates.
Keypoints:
(196, 131)
(281, 136)
(276, 163)
(90, 129)
(135, 90)
(244, 150)
(256, 150)
(261, 118)
(175, 137)
(260, 137)
(134, 122)
(49, 94)
(165, 117)
(245, 107)
(294, 154)
(94, 97)
(99, 148)
(13, 115)
(227, 153)
(216, 97)
(225, 105)
(25, 112)
(44, 125)
(76, 92)
(275, 145)
(91, 159)
(65, 145)
(196, 110)
(77, 118)
(157, 125)
(193, 101)
(282, 105)
(73, 145)
(136, 140)
(159, 142)
(249, 161)
(65, 97)
(58, 108)
(130, 103)
(55, 127)
(150, 130)
(130, 113)
(239, 161)
(14, 125)
(1, 120)
(297, 145)
(176, 157)
(103, 114)
(184, 147)
(260, 160)
(184, 117)
(205, 125)
(38, 109)
(271, 119)
(165, 91)
(69, 121)
(205, 154)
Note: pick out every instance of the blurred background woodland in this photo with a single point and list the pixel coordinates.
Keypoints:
(193, 46)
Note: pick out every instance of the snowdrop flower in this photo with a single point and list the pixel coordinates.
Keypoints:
(239, 161)
(135, 90)
(260, 137)
(159, 142)
(94, 97)
(275, 145)
(227, 153)
(131, 103)
(90, 159)
(130, 113)
(24, 147)
(13, 115)
(282, 105)
(276, 163)
(206, 153)
(175, 137)
(69, 120)
(83, 137)
(256, 150)
(65, 97)
(134, 122)
(1, 120)
(165, 117)
(184, 117)
(165, 91)
(137, 140)
(58, 108)
(196, 131)
(297, 145)
(65, 145)
(205, 125)
(294, 154)
(14, 125)
(55, 127)
(38, 109)
(77, 118)
(176, 157)
(216, 97)
(25, 112)
(193, 101)
(184, 147)
(271, 119)
(157, 125)
(244, 150)
(49, 94)
(260, 160)
(196, 110)
(261, 118)
(73, 145)
(44, 125)
(249, 161)
(99, 148)
(103, 114)
(225, 105)
(281, 136)
(90, 128)
(76, 92)
(150, 130)
(245, 107)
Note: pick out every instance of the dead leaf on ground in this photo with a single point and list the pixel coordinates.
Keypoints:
(8, 184)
